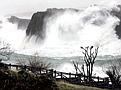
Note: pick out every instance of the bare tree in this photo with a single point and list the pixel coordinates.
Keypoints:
(90, 54)
(76, 66)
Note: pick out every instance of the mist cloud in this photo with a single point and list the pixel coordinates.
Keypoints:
(21, 6)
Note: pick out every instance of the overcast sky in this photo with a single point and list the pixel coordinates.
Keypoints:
(27, 7)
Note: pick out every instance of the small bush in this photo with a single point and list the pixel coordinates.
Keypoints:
(114, 76)
(34, 61)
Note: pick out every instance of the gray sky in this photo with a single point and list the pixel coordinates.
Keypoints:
(27, 7)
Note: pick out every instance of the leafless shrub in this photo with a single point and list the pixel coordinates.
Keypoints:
(34, 61)
(114, 73)
(5, 50)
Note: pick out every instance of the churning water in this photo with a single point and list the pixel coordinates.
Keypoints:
(66, 32)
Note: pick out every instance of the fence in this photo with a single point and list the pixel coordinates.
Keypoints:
(70, 77)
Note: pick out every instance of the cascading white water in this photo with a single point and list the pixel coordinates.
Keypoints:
(94, 26)
(11, 35)
(66, 32)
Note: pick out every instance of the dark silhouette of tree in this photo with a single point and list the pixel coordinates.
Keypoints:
(114, 73)
(90, 54)
(76, 66)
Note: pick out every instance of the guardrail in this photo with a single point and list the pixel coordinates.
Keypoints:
(70, 77)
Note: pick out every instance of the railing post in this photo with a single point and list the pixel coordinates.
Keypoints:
(69, 75)
(16, 67)
(55, 74)
(25, 67)
(40, 70)
(51, 73)
(98, 79)
(61, 75)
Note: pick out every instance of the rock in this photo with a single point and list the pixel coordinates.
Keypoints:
(21, 23)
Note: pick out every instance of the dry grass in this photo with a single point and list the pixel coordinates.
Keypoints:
(66, 86)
